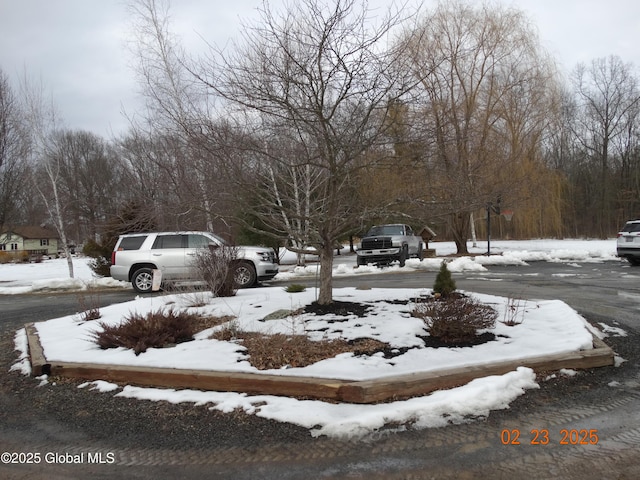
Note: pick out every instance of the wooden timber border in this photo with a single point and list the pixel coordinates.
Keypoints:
(368, 391)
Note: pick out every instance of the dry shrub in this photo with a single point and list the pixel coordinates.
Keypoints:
(279, 350)
(215, 267)
(89, 307)
(514, 312)
(155, 329)
(13, 257)
(91, 313)
(455, 320)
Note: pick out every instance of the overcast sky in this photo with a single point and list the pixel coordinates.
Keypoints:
(77, 48)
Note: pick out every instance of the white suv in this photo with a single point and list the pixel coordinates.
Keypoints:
(629, 242)
(136, 255)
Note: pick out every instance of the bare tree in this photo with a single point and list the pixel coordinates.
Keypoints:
(486, 88)
(177, 104)
(89, 180)
(318, 77)
(14, 147)
(608, 100)
(168, 174)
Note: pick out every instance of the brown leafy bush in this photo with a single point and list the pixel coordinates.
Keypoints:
(455, 320)
(12, 257)
(155, 329)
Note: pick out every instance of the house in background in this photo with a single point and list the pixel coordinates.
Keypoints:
(29, 240)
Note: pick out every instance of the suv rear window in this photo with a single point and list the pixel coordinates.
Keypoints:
(198, 241)
(131, 243)
(168, 241)
(632, 227)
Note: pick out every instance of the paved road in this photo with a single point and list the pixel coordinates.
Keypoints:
(20, 309)
(591, 421)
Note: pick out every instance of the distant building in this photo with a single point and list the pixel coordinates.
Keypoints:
(30, 240)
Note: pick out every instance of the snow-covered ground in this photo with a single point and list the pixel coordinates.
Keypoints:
(546, 327)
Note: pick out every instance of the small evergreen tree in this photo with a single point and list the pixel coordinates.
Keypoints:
(101, 254)
(444, 284)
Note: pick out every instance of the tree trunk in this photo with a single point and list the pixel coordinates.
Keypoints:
(473, 230)
(59, 224)
(460, 230)
(461, 246)
(325, 296)
(56, 212)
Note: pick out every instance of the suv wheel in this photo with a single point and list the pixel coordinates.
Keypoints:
(244, 275)
(142, 280)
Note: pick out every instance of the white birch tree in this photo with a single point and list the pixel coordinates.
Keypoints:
(43, 123)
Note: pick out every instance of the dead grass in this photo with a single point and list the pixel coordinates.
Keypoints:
(279, 350)
(203, 323)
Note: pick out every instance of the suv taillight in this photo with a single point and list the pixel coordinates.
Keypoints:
(113, 257)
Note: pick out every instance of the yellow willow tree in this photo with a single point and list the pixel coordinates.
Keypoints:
(485, 95)
(538, 208)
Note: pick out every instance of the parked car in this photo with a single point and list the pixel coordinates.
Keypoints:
(386, 243)
(136, 255)
(628, 243)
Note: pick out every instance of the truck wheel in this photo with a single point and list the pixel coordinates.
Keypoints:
(404, 253)
(360, 260)
(142, 280)
(244, 275)
(420, 255)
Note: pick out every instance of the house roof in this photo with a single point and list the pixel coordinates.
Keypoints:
(31, 232)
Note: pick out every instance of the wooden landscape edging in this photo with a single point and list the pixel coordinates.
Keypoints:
(39, 365)
(415, 384)
(367, 391)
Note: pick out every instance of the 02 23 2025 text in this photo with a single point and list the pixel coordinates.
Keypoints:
(542, 436)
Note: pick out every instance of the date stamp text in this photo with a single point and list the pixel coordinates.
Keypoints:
(542, 436)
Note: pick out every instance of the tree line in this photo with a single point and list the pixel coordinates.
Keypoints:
(322, 118)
